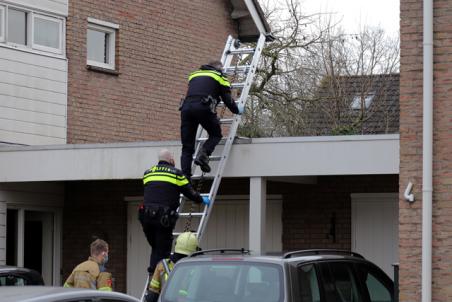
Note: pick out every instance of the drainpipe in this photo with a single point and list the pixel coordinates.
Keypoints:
(427, 152)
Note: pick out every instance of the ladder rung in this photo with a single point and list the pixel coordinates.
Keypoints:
(237, 85)
(178, 233)
(226, 120)
(215, 157)
(240, 51)
(195, 214)
(232, 70)
(203, 139)
(206, 176)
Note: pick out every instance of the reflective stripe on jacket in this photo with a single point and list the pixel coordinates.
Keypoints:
(160, 276)
(163, 184)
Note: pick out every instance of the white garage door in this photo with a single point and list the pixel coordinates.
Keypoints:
(375, 228)
(227, 228)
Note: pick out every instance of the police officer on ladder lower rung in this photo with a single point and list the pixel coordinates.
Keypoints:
(163, 184)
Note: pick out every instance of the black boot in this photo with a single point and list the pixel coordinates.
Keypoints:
(202, 160)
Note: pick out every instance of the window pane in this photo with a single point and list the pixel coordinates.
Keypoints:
(47, 32)
(97, 46)
(344, 282)
(2, 19)
(309, 287)
(17, 26)
(377, 287)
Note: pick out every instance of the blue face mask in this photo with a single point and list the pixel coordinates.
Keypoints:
(105, 260)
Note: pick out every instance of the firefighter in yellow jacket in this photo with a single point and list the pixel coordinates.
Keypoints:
(91, 273)
(186, 244)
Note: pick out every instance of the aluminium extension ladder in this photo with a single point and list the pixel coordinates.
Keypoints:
(232, 56)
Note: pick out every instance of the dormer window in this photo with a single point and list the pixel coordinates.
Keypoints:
(358, 99)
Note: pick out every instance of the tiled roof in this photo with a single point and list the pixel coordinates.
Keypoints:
(355, 105)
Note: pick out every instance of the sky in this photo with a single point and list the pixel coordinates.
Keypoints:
(357, 13)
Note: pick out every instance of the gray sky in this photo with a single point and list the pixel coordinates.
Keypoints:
(357, 13)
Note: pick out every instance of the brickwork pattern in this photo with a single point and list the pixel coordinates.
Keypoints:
(308, 210)
(158, 44)
(411, 151)
(96, 209)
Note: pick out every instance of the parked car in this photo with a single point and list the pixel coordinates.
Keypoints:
(60, 294)
(300, 276)
(19, 276)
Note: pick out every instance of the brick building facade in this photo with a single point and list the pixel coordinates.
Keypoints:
(411, 92)
(158, 43)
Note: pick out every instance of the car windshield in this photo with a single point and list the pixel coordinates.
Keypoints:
(225, 281)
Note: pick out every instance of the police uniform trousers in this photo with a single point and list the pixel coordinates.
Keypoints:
(194, 112)
(159, 234)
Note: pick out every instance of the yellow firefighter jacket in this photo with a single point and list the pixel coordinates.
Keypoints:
(88, 275)
(160, 275)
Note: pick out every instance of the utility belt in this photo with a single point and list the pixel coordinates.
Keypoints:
(163, 214)
(206, 100)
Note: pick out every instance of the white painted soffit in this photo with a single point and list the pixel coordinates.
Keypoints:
(293, 156)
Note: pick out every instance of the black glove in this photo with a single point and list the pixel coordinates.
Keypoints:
(151, 296)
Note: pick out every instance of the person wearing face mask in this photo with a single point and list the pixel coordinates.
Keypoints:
(163, 184)
(91, 273)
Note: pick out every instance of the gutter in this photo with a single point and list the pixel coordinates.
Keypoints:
(427, 151)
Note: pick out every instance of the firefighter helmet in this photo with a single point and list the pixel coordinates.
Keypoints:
(186, 243)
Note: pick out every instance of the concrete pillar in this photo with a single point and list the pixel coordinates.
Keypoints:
(258, 205)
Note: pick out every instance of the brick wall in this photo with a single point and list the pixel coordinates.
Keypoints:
(308, 210)
(158, 44)
(96, 209)
(411, 151)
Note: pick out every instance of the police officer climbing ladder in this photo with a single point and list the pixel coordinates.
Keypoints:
(232, 54)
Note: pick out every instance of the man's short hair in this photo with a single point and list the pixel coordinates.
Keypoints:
(98, 246)
(215, 63)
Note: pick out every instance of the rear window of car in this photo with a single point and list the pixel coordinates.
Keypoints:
(11, 280)
(225, 282)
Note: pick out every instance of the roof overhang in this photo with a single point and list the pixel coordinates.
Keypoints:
(266, 157)
(250, 20)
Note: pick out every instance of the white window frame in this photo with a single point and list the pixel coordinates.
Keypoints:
(60, 22)
(3, 18)
(356, 102)
(30, 45)
(110, 29)
(28, 28)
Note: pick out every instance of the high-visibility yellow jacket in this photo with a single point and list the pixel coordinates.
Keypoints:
(88, 275)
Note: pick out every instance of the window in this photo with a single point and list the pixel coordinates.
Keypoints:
(340, 284)
(308, 284)
(378, 289)
(46, 33)
(101, 41)
(25, 29)
(2, 23)
(357, 99)
(17, 26)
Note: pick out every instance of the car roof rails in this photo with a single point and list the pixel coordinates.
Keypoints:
(320, 252)
(221, 251)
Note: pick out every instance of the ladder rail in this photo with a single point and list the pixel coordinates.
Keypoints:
(231, 135)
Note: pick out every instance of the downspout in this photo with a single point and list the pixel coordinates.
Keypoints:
(427, 152)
